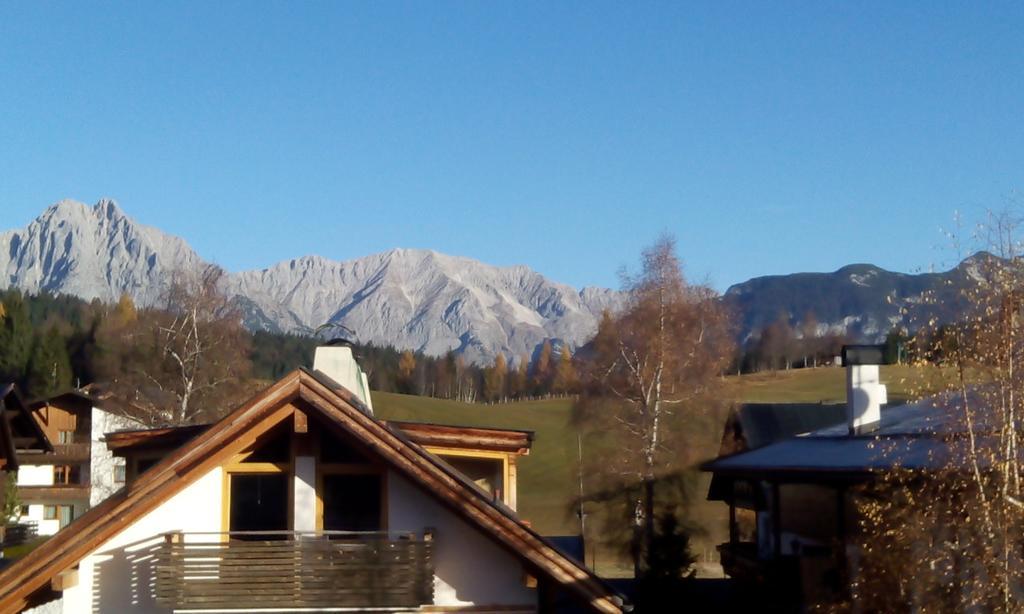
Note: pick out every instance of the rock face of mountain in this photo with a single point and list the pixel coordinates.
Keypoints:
(860, 300)
(413, 299)
(92, 252)
(423, 300)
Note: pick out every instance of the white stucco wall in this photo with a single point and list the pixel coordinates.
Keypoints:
(102, 462)
(116, 576)
(35, 475)
(469, 567)
(35, 514)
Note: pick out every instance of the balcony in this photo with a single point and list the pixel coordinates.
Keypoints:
(63, 453)
(293, 570)
(54, 493)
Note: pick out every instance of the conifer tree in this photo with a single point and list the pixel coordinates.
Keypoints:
(15, 338)
(49, 366)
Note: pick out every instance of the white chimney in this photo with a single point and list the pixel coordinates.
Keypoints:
(338, 363)
(865, 395)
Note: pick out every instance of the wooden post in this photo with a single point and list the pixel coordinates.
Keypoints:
(776, 520)
(734, 531)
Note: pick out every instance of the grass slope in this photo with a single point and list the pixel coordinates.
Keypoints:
(548, 478)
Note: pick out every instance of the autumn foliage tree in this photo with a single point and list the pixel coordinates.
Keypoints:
(494, 379)
(652, 368)
(949, 538)
(565, 380)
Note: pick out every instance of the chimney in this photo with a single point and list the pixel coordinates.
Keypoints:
(336, 361)
(864, 394)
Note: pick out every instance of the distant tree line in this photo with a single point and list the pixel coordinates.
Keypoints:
(784, 344)
(192, 350)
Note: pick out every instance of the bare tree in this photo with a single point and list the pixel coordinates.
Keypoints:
(187, 359)
(653, 367)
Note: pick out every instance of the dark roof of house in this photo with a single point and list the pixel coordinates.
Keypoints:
(754, 425)
(765, 423)
(300, 392)
(922, 435)
(120, 442)
(25, 432)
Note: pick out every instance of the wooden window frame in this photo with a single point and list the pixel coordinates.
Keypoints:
(507, 467)
(372, 467)
(238, 466)
(64, 470)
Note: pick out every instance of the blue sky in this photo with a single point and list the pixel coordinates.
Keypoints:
(769, 137)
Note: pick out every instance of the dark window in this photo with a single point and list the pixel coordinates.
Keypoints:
(333, 450)
(275, 450)
(259, 502)
(67, 474)
(352, 502)
(145, 463)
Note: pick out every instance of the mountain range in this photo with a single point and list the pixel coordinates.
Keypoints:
(432, 302)
(406, 298)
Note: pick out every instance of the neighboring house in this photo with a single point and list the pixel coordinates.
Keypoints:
(301, 500)
(803, 546)
(20, 436)
(59, 485)
(54, 486)
(750, 426)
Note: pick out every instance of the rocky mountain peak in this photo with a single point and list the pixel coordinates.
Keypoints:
(409, 298)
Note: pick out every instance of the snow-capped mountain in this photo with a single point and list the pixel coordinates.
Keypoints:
(416, 299)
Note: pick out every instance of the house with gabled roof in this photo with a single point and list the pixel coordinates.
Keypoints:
(302, 500)
(20, 436)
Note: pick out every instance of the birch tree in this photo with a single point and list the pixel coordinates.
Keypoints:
(186, 360)
(652, 369)
(951, 538)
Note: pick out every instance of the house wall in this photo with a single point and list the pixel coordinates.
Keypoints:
(469, 568)
(117, 575)
(43, 526)
(35, 475)
(809, 514)
(62, 414)
(102, 462)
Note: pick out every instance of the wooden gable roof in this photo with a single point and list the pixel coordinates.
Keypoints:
(19, 431)
(338, 408)
(8, 455)
(467, 437)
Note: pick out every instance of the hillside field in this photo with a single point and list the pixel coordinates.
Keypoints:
(548, 476)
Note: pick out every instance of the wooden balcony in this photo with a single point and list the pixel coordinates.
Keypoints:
(291, 570)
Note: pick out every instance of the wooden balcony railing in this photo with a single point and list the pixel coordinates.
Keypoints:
(286, 570)
(15, 534)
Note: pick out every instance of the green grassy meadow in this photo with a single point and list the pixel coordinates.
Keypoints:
(548, 476)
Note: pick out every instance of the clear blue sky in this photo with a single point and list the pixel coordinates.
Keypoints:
(769, 137)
